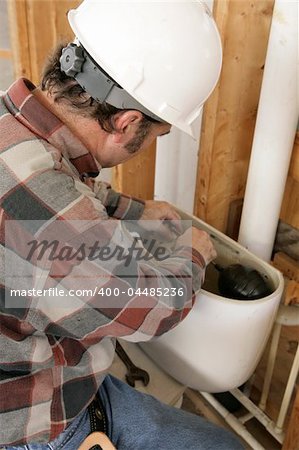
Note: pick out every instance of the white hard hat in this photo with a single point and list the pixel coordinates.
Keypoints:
(166, 55)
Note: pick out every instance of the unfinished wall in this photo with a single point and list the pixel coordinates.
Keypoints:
(229, 115)
(290, 205)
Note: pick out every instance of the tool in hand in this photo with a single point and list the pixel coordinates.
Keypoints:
(134, 373)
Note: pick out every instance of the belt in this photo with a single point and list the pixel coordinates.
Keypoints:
(98, 419)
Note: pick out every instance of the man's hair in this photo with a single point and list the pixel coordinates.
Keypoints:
(64, 88)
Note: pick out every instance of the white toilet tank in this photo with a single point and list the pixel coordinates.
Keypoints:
(219, 344)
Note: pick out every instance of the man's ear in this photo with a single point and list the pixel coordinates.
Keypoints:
(126, 124)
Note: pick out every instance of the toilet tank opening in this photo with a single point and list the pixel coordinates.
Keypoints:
(237, 282)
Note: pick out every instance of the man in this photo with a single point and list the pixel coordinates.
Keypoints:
(97, 110)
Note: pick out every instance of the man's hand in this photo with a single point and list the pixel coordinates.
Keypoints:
(155, 210)
(201, 242)
(167, 221)
(171, 228)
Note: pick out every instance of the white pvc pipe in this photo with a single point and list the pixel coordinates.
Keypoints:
(288, 315)
(176, 165)
(258, 414)
(274, 133)
(270, 366)
(233, 422)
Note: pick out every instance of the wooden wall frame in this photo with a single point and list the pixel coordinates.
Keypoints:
(230, 113)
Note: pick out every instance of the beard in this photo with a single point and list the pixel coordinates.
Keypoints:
(136, 142)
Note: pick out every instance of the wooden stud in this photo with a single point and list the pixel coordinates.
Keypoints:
(18, 27)
(62, 29)
(36, 26)
(40, 15)
(290, 204)
(291, 441)
(287, 265)
(208, 128)
(234, 218)
(230, 113)
(291, 293)
(294, 164)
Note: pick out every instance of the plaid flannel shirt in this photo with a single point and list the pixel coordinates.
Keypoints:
(53, 360)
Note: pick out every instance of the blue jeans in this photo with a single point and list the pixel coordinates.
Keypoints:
(138, 421)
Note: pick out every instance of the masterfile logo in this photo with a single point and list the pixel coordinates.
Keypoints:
(103, 263)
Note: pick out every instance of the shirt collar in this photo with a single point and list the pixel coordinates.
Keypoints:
(42, 122)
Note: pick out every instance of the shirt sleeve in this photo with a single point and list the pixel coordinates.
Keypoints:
(119, 206)
(82, 299)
